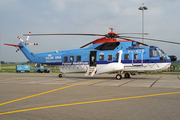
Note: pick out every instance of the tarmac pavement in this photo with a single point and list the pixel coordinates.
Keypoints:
(46, 97)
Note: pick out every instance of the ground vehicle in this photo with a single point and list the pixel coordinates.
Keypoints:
(40, 69)
(23, 68)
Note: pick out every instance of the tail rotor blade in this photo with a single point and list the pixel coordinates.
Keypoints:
(17, 50)
(32, 44)
(20, 39)
(28, 37)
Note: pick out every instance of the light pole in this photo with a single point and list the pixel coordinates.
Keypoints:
(0, 42)
(143, 8)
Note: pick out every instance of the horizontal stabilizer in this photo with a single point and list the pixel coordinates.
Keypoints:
(13, 45)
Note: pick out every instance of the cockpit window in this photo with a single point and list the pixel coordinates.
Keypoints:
(108, 46)
(159, 52)
(153, 53)
(163, 52)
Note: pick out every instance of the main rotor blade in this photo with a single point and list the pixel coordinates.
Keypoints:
(64, 34)
(133, 33)
(152, 39)
(86, 44)
(125, 38)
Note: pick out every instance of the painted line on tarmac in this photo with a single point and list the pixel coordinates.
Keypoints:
(19, 78)
(12, 79)
(88, 102)
(48, 92)
(101, 81)
(125, 83)
(156, 81)
(178, 77)
(129, 81)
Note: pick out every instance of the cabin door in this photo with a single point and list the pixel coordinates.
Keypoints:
(92, 58)
(137, 58)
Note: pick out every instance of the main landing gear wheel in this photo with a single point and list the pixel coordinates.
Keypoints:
(118, 76)
(60, 75)
(127, 75)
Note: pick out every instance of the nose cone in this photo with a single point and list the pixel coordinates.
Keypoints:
(173, 58)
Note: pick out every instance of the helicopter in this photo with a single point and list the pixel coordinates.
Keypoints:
(112, 53)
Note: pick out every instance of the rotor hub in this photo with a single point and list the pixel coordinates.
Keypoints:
(111, 34)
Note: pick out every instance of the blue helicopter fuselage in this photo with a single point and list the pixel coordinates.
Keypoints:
(135, 57)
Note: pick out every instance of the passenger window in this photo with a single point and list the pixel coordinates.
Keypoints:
(126, 56)
(78, 58)
(109, 57)
(71, 58)
(65, 59)
(101, 57)
(135, 56)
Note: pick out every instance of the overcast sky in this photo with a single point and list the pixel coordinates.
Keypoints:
(18, 17)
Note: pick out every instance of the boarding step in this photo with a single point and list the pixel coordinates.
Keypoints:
(91, 71)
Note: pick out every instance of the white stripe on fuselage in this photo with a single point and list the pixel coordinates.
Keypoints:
(146, 67)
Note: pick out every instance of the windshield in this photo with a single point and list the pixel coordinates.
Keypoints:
(163, 52)
(159, 52)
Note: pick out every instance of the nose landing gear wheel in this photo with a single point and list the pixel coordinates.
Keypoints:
(118, 76)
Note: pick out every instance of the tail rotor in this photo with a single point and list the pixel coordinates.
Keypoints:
(26, 41)
(21, 40)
